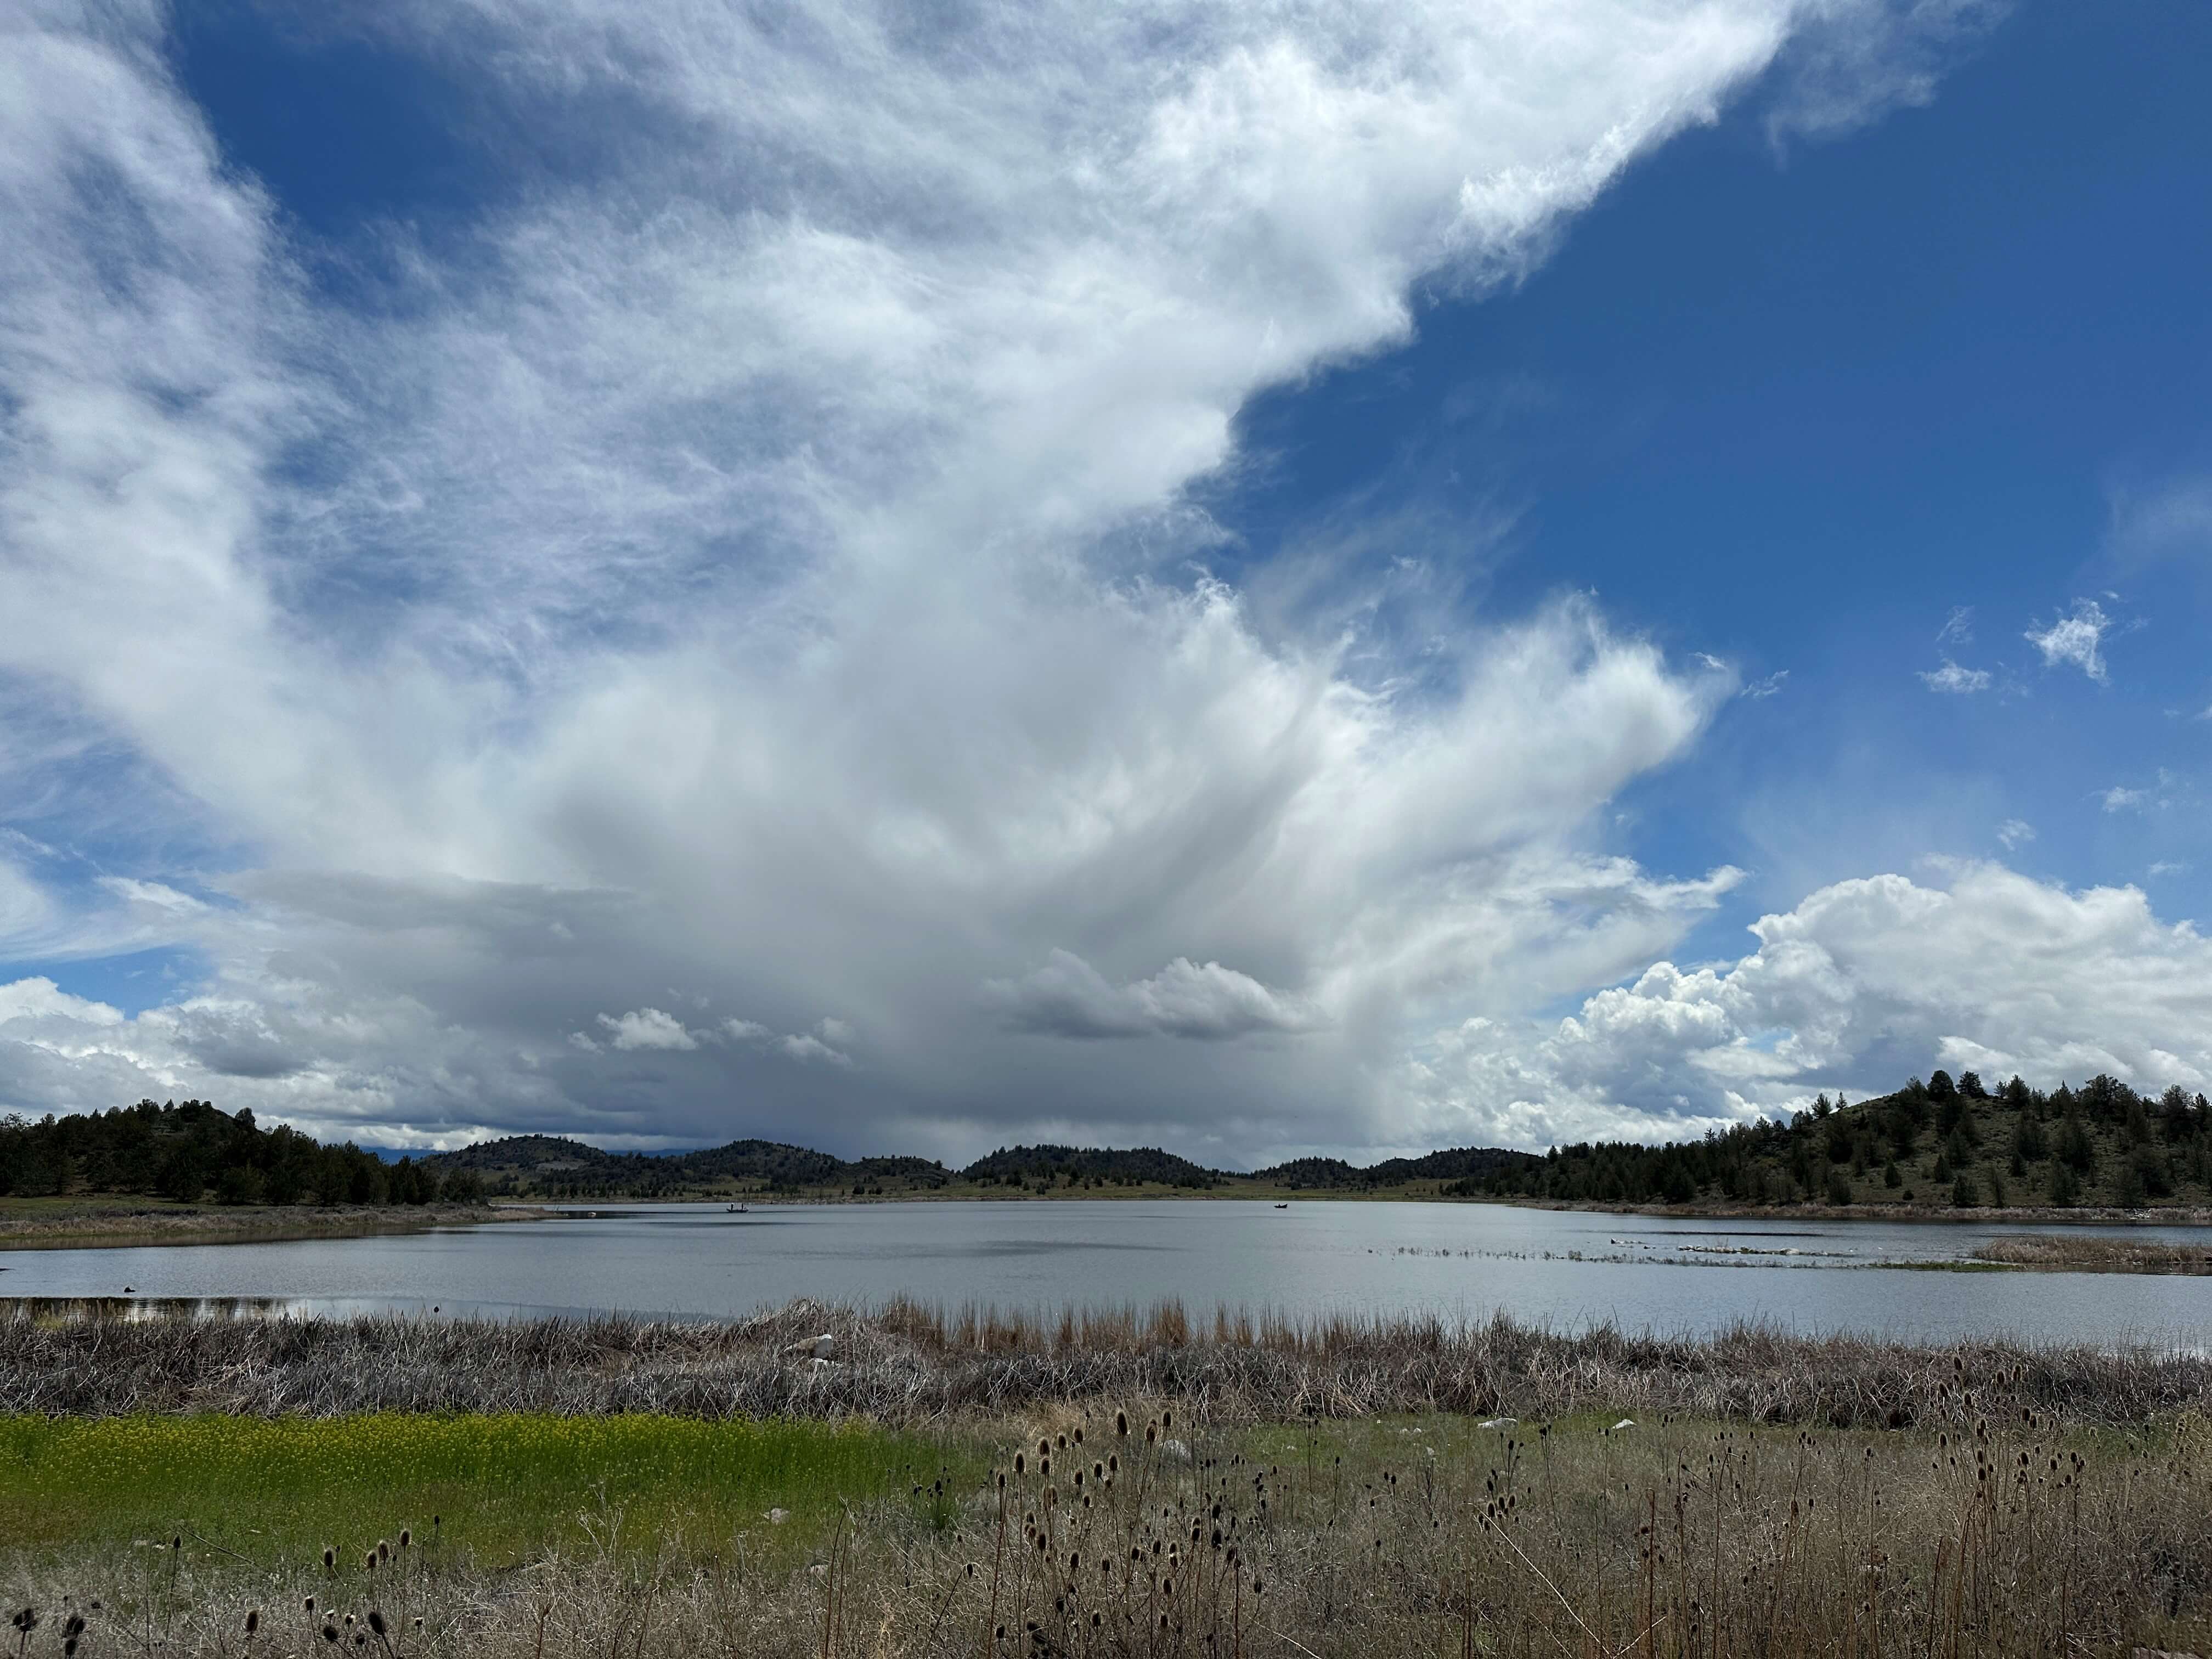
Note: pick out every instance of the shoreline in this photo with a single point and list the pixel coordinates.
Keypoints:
(1986, 1215)
(70, 1223)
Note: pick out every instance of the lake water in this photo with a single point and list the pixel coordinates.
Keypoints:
(1460, 1259)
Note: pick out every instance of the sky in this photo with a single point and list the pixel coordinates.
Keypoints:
(1258, 579)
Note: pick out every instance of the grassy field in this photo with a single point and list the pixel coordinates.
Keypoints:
(494, 1490)
(58, 1223)
(1095, 1531)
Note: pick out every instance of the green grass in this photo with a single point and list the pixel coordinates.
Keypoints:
(504, 1488)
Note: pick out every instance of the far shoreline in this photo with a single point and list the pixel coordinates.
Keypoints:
(115, 1221)
(2009, 1215)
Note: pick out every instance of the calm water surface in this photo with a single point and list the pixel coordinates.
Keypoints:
(1563, 1269)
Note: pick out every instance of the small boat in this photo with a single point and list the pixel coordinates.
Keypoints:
(1283, 1206)
(736, 1209)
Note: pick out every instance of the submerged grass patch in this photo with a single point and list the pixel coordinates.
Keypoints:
(499, 1487)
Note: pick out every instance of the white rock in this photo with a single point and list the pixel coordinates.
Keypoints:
(1498, 1423)
(1626, 1423)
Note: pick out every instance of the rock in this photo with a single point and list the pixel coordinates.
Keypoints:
(1624, 1422)
(1498, 1423)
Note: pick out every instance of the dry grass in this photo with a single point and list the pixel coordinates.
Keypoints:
(69, 1224)
(909, 1365)
(1432, 1536)
(2069, 1254)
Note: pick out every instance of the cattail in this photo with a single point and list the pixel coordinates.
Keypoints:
(252, 1622)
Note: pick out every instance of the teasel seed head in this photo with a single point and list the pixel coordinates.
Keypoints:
(330, 1558)
(252, 1620)
(376, 1621)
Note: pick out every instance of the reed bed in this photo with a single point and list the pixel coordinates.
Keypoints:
(1095, 1532)
(908, 1365)
(2093, 1253)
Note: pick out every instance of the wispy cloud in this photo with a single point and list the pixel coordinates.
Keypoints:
(2016, 833)
(1767, 687)
(1953, 679)
(1957, 628)
(2119, 798)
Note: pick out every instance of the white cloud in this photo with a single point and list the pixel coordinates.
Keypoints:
(647, 1028)
(2015, 832)
(1951, 677)
(2076, 639)
(1767, 687)
(1862, 983)
(2169, 867)
(2120, 799)
(1066, 997)
(758, 560)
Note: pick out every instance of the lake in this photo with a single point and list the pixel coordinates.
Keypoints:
(1563, 1269)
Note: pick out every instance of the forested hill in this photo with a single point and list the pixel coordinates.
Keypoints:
(193, 1152)
(541, 1166)
(1938, 1143)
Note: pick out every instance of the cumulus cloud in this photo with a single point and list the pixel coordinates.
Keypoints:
(758, 558)
(647, 1028)
(2077, 638)
(1066, 997)
(1863, 982)
(1951, 677)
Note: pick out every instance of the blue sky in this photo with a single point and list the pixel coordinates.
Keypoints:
(1796, 406)
(1262, 584)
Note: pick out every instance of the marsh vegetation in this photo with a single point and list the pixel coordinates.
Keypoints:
(1060, 1521)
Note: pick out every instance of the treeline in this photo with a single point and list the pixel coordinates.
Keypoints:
(194, 1151)
(1941, 1142)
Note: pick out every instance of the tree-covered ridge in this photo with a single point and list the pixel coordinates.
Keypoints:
(195, 1150)
(1938, 1143)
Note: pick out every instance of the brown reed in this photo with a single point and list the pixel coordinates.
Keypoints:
(909, 1365)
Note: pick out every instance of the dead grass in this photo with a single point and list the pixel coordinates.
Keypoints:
(2076, 1254)
(70, 1223)
(908, 1365)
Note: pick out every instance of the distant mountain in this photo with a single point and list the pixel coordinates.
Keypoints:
(1938, 1144)
(1076, 1163)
